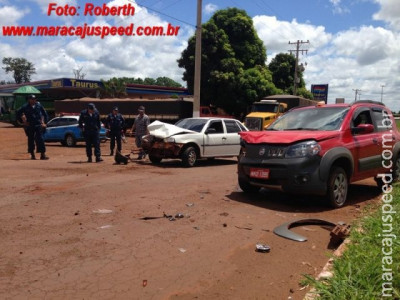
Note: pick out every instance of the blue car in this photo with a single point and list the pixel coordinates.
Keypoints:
(65, 130)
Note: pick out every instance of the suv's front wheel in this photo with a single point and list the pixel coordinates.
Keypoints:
(337, 187)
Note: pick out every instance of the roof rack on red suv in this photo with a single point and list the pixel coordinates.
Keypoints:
(368, 101)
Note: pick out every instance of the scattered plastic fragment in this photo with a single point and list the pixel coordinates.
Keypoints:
(262, 248)
(246, 228)
(105, 226)
(182, 250)
(103, 211)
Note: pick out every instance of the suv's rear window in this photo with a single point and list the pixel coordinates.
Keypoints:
(314, 118)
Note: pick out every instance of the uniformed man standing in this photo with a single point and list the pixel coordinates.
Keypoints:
(140, 128)
(115, 123)
(34, 118)
(89, 122)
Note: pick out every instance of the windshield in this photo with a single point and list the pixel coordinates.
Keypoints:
(192, 124)
(270, 107)
(322, 118)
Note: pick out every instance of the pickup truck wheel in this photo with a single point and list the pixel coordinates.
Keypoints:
(337, 187)
(247, 187)
(155, 159)
(189, 157)
(69, 140)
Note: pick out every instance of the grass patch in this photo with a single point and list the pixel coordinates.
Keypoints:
(363, 269)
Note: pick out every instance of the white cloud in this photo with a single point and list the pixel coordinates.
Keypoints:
(389, 12)
(338, 8)
(44, 4)
(10, 15)
(373, 44)
(277, 34)
(363, 58)
(210, 8)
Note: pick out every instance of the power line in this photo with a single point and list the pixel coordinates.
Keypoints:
(163, 14)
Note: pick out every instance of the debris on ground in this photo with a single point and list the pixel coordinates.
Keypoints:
(284, 229)
(262, 248)
(339, 233)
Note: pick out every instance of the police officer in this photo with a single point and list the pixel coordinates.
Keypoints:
(115, 123)
(34, 118)
(89, 122)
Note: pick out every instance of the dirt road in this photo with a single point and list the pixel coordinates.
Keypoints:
(73, 230)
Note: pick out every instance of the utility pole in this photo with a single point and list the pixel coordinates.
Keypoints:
(197, 64)
(382, 86)
(296, 79)
(357, 92)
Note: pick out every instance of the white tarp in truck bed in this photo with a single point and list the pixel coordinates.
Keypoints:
(164, 130)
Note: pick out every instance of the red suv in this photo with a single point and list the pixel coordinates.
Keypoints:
(321, 149)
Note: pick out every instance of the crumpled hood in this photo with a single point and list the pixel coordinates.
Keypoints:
(285, 137)
(164, 130)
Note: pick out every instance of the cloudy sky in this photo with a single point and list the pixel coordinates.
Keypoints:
(352, 44)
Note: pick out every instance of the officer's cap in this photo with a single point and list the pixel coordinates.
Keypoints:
(141, 108)
(90, 106)
(32, 97)
(115, 108)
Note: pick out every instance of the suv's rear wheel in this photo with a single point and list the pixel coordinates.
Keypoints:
(189, 157)
(337, 187)
(247, 187)
(69, 140)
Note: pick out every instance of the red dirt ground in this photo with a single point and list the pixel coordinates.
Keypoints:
(73, 230)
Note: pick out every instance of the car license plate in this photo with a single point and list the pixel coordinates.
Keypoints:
(259, 173)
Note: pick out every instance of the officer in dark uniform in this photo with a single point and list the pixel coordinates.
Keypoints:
(115, 123)
(34, 118)
(89, 122)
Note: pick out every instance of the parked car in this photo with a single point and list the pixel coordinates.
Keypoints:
(321, 149)
(65, 130)
(193, 138)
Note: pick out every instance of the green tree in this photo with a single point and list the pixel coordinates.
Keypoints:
(282, 67)
(21, 68)
(116, 87)
(113, 88)
(165, 81)
(160, 81)
(233, 62)
(303, 92)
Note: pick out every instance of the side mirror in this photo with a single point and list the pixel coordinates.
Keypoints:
(363, 129)
(211, 130)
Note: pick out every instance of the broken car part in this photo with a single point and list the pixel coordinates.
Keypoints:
(284, 229)
(262, 248)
